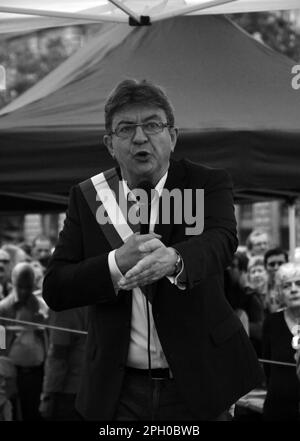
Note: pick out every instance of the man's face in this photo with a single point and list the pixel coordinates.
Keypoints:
(141, 156)
(42, 249)
(259, 244)
(273, 263)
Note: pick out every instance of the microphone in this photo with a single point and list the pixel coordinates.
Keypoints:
(145, 224)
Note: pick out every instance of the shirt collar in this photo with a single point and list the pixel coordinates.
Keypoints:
(158, 188)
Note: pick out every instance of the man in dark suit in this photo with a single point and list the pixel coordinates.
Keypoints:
(163, 342)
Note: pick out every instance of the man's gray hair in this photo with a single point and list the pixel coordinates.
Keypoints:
(133, 92)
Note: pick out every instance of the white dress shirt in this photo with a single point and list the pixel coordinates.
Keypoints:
(137, 354)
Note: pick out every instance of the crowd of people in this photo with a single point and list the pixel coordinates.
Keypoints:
(39, 363)
(263, 287)
(40, 367)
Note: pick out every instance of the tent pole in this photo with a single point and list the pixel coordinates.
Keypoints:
(125, 9)
(103, 17)
(292, 229)
(189, 9)
(94, 18)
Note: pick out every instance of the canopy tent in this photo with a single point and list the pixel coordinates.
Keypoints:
(27, 15)
(234, 104)
(32, 203)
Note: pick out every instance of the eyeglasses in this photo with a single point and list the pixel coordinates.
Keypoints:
(274, 263)
(289, 285)
(125, 131)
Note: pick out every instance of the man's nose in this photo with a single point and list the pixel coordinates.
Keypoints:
(139, 135)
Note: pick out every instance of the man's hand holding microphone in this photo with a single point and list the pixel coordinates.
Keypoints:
(143, 259)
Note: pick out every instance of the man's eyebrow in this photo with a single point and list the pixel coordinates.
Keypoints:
(154, 116)
(147, 118)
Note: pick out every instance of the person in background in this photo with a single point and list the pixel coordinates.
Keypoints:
(38, 275)
(8, 388)
(257, 243)
(273, 259)
(280, 331)
(239, 268)
(257, 277)
(255, 302)
(17, 255)
(41, 249)
(5, 285)
(297, 358)
(63, 365)
(38, 284)
(26, 247)
(25, 345)
(235, 279)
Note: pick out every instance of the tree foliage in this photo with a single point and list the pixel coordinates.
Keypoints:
(28, 58)
(273, 29)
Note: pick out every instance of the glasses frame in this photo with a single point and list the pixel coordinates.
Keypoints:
(135, 125)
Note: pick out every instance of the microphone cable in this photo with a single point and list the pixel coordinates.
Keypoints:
(149, 353)
(145, 229)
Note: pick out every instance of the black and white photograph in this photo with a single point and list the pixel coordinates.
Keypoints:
(149, 215)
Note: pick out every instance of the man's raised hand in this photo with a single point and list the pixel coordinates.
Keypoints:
(158, 261)
(131, 252)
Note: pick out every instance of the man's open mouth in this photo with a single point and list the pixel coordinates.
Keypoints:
(142, 155)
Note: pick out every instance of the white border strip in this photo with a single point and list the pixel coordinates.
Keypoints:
(107, 197)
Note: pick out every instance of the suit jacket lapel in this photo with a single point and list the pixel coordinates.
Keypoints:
(176, 179)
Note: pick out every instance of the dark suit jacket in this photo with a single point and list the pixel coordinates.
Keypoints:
(204, 342)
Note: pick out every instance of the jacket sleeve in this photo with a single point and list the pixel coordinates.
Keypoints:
(209, 253)
(61, 344)
(72, 280)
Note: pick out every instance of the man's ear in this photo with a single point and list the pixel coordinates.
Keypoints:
(173, 135)
(107, 140)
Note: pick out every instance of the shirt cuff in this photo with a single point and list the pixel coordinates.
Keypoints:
(176, 280)
(115, 273)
